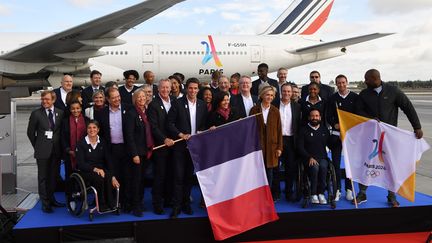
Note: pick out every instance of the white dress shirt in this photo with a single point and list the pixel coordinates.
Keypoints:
(248, 103)
(192, 112)
(286, 119)
(265, 112)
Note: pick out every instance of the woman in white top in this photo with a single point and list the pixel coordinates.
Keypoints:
(98, 104)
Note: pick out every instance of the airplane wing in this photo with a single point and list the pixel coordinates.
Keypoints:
(83, 41)
(339, 43)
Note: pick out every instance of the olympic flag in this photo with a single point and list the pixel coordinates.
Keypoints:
(229, 165)
(379, 154)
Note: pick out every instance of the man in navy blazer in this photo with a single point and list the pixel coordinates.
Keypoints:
(43, 132)
(112, 120)
(263, 78)
(96, 84)
(62, 91)
(126, 91)
(157, 114)
(244, 101)
(186, 117)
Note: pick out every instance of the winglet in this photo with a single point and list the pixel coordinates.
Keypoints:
(303, 17)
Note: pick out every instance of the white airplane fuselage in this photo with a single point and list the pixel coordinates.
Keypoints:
(191, 55)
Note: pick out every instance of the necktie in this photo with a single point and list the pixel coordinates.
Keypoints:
(51, 119)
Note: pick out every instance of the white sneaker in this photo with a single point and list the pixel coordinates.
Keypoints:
(338, 195)
(322, 199)
(314, 199)
(349, 195)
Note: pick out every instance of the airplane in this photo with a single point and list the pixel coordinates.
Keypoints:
(287, 42)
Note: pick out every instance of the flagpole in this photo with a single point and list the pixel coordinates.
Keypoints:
(352, 182)
(180, 139)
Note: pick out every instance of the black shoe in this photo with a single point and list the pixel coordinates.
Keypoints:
(361, 198)
(56, 204)
(391, 200)
(187, 209)
(157, 209)
(137, 212)
(175, 212)
(47, 209)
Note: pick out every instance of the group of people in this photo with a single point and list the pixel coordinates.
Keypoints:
(108, 134)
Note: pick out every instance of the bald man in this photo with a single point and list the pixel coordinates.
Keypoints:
(62, 91)
(381, 101)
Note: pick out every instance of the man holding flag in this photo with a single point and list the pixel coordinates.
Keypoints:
(381, 101)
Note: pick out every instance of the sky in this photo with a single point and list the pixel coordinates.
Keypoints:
(405, 55)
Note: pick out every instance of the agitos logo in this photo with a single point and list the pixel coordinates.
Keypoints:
(378, 149)
(209, 55)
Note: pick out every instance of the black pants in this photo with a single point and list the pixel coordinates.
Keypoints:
(183, 175)
(335, 145)
(122, 172)
(289, 163)
(103, 186)
(137, 186)
(46, 179)
(163, 176)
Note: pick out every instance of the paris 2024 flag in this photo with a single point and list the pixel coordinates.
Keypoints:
(380, 154)
(229, 165)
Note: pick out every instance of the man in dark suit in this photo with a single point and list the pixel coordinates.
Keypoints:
(96, 84)
(157, 113)
(325, 90)
(244, 101)
(43, 132)
(263, 78)
(186, 117)
(112, 120)
(214, 84)
(62, 91)
(126, 91)
(290, 119)
(149, 79)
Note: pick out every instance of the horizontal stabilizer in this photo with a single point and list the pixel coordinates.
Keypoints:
(340, 43)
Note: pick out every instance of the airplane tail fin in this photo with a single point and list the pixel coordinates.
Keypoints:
(302, 17)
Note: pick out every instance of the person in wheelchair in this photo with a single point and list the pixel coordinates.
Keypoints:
(312, 142)
(93, 161)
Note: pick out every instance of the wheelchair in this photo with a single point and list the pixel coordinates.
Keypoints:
(304, 185)
(78, 194)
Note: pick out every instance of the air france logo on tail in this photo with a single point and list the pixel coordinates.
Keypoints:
(378, 149)
(209, 55)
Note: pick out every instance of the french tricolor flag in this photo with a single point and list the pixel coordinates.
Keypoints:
(229, 165)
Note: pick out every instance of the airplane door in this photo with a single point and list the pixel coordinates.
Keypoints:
(147, 53)
(255, 52)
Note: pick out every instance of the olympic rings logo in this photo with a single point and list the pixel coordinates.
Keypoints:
(372, 173)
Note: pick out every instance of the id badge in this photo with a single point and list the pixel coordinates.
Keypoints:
(49, 134)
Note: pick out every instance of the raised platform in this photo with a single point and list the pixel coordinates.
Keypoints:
(373, 217)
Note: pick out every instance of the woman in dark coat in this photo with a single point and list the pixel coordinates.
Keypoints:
(93, 161)
(223, 112)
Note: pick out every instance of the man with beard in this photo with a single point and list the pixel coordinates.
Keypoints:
(312, 142)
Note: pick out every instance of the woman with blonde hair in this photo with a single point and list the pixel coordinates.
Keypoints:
(270, 130)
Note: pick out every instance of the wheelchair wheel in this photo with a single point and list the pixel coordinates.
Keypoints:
(305, 187)
(76, 195)
(331, 185)
(298, 184)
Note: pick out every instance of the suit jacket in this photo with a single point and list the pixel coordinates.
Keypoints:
(295, 119)
(216, 119)
(59, 102)
(86, 95)
(325, 91)
(135, 134)
(237, 102)
(126, 97)
(89, 158)
(37, 127)
(179, 117)
(102, 117)
(157, 116)
(270, 134)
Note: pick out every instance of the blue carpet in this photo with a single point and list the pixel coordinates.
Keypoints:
(35, 218)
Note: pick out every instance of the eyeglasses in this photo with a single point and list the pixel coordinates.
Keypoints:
(314, 76)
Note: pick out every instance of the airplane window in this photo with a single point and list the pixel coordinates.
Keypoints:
(126, 52)
(189, 52)
(162, 52)
(116, 52)
(237, 53)
(121, 53)
(171, 52)
(224, 53)
(175, 52)
(202, 53)
(112, 53)
(193, 53)
(229, 53)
